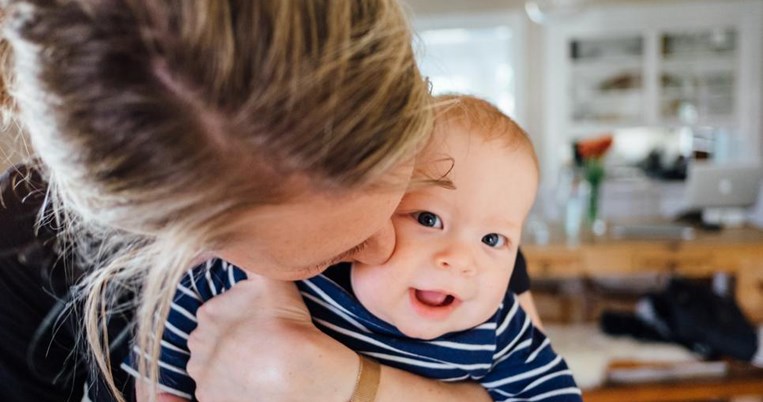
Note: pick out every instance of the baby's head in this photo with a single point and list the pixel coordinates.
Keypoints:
(457, 239)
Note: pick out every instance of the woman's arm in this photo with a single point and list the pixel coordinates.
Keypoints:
(257, 342)
(520, 285)
(528, 305)
(398, 385)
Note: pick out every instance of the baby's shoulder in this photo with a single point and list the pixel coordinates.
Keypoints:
(509, 312)
(210, 279)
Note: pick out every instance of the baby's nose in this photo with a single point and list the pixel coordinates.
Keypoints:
(458, 258)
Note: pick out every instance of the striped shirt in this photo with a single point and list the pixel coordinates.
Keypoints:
(506, 354)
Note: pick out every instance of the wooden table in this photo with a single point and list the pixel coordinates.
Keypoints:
(735, 251)
(740, 381)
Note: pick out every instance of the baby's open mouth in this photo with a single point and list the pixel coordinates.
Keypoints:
(434, 298)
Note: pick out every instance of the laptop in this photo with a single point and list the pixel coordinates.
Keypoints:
(710, 185)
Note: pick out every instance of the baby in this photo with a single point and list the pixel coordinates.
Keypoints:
(439, 307)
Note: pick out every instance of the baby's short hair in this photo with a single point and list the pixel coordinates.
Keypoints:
(483, 118)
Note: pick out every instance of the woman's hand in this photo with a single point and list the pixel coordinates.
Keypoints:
(256, 343)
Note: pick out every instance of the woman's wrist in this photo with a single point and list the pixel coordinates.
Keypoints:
(396, 385)
(367, 382)
(336, 365)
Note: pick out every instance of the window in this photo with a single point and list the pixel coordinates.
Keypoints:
(476, 55)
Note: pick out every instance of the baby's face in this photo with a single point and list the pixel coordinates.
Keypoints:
(455, 248)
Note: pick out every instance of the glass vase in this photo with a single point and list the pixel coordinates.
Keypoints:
(594, 174)
(593, 202)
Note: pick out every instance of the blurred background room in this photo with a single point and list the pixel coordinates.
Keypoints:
(645, 245)
(646, 242)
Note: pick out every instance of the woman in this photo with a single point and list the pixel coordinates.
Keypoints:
(173, 131)
(275, 134)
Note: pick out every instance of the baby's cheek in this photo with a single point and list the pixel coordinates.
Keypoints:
(487, 307)
(494, 293)
(371, 285)
(362, 278)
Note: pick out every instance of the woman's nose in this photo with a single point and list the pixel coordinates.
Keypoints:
(379, 247)
(458, 258)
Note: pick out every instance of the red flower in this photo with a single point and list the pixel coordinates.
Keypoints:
(594, 148)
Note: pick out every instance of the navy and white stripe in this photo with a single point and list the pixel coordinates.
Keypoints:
(196, 287)
(507, 355)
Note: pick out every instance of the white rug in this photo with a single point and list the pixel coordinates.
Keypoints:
(588, 351)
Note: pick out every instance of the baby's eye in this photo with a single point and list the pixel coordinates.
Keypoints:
(494, 240)
(428, 219)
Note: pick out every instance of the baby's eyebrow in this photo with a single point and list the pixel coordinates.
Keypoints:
(504, 223)
(507, 222)
(430, 173)
(419, 182)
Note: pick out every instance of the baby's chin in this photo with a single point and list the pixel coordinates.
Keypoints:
(427, 330)
(424, 332)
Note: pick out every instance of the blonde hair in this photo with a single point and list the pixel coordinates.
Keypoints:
(484, 119)
(157, 122)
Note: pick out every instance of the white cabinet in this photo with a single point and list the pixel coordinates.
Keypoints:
(606, 80)
(654, 65)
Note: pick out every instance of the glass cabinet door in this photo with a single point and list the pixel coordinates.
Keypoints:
(606, 83)
(698, 75)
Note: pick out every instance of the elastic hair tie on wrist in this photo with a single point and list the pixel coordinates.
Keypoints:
(367, 383)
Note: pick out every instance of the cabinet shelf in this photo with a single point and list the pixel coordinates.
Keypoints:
(609, 95)
(728, 121)
(611, 90)
(644, 66)
(700, 65)
(608, 63)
